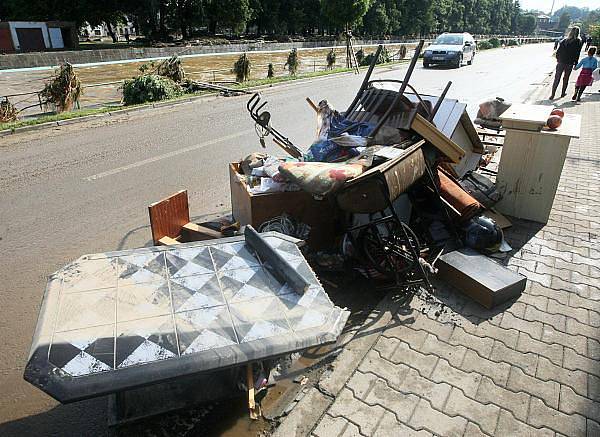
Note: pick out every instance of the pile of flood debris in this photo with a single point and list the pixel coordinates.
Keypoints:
(400, 187)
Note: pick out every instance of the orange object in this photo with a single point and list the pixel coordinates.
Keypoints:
(558, 112)
(554, 121)
(451, 191)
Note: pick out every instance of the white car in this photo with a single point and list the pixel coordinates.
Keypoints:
(450, 49)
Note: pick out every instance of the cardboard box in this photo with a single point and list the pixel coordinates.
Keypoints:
(255, 209)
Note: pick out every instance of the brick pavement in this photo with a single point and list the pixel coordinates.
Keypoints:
(529, 368)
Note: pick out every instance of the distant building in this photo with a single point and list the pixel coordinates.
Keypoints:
(544, 22)
(101, 31)
(37, 36)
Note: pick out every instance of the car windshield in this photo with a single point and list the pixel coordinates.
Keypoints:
(454, 40)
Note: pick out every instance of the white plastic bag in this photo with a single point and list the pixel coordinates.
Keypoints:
(596, 74)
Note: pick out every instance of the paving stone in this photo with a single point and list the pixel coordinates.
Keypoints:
(401, 404)
(578, 278)
(574, 361)
(473, 430)
(508, 426)
(439, 423)
(594, 319)
(387, 370)
(593, 350)
(552, 336)
(386, 346)
(593, 428)
(547, 390)
(365, 416)
(410, 336)
(507, 336)
(581, 258)
(576, 328)
(540, 302)
(541, 415)
(498, 371)
(583, 269)
(542, 279)
(566, 285)
(435, 393)
(576, 379)
(442, 331)
(576, 301)
(453, 354)
(539, 290)
(485, 415)
(534, 329)
(558, 321)
(594, 387)
(517, 309)
(390, 427)
(526, 360)
(483, 346)
(572, 403)
(332, 426)
(424, 363)
(361, 384)
(515, 402)
(581, 314)
(467, 382)
(552, 351)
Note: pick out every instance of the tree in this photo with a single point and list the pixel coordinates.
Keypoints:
(343, 13)
(565, 20)
(376, 21)
(231, 14)
(527, 24)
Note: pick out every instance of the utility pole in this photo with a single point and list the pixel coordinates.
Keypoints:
(552, 10)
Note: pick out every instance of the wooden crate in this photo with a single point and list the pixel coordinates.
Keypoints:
(255, 209)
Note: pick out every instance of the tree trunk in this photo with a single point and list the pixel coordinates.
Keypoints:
(111, 32)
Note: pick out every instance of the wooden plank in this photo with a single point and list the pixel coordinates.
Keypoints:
(469, 128)
(437, 139)
(201, 233)
(251, 401)
(167, 241)
(167, 216)
(480, 278)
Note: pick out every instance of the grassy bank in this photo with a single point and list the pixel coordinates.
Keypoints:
(85, 112)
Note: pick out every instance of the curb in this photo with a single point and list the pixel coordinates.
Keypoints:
(313, 404)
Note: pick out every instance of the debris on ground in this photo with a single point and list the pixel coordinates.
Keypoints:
(63, 90)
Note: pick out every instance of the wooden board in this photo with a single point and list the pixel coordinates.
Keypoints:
(529, 172)
(526, 117)
(437, 139)
(480, 278)
(167, 216)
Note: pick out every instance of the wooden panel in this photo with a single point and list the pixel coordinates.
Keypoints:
(529, 173)
(526, 117)
(169, 215)
(480, 278)
(6, 45)
(437, 139)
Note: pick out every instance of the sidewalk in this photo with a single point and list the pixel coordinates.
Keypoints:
(528, 368)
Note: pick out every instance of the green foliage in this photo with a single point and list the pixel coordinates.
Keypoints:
(527, 24)
(495, 42)
(149, 88)
(341, 13)
(360, 56)
(384, 58)
(64, 89)
(242, 68)
(331, 58)
(484, 45)
(564, 21)
(293, 62)
(376, 21)
(270, 72)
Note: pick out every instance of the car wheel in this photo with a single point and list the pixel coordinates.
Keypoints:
(458, 62)
(471, 60)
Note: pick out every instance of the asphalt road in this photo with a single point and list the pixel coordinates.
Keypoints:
(85, 188)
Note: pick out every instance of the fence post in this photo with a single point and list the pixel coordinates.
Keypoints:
(314, 65)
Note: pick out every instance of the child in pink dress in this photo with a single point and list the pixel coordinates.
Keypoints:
(585, 79)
